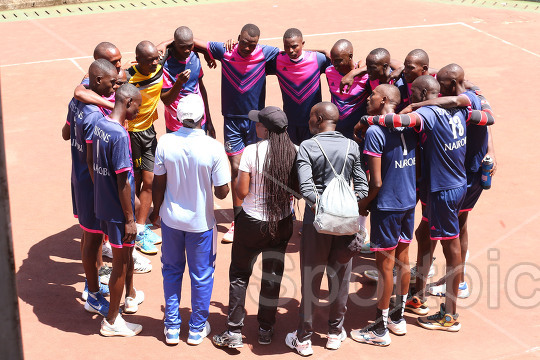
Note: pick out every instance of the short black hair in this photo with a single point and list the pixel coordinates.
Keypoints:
(379, 53)
(252, 30)
(292, 33)
(420, 55)
(126, 91)
(101, 49)
(183, 33)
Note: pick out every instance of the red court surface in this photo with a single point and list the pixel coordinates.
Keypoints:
(499, 50)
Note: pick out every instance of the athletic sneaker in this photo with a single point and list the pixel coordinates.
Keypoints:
(106, 250)
(119, 328)
(415, 305)
(228, 339)
(144, 244)
(103, 289)
(141, 258)
(334, 340)
(172, 336)
(154, 238)
(370, 336)
(374, 274)
(440, 321)
(229, 235)
(131, 305)
(440, 290)
(140, 267)
(397, 328)
(366, 245)
(431, 272)
(196, 337)
(104, 274)
(265, 336)
(96, 304)
(302, 347)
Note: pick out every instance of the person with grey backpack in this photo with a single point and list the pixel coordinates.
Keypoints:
(326, 165)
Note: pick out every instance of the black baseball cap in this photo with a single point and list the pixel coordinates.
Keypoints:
(272, 117)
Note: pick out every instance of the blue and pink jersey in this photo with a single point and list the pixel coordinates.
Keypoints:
(243, 80)
(351, 104)
(477, 138)
(300, 83)
(112, 155)
(171, 68)
(397, 150)
(444, 146)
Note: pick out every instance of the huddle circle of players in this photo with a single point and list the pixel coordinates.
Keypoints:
(422, 133)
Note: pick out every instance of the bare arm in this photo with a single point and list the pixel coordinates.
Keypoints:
(242, 184)
(209, 124)
(66, 131)
(158, 194)
(124, 192)
(169, 96)
(446, 102)
(222, 191)
(348, 80)
(87, 96)
(375, 184)
(200, 47)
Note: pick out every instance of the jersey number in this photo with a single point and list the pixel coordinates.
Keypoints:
(457, 126)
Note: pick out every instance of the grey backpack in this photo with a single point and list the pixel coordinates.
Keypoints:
(337, 208)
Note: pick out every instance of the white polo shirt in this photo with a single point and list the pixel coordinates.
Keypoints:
(193, 163)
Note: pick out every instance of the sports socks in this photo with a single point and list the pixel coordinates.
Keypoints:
(397, 312)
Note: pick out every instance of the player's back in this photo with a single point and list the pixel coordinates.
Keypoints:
(444, 147)
(82, 119)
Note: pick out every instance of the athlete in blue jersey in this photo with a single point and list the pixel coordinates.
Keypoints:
(444, 172)
(299, 75)
(391, 200)
(115, 205)
(243, 88)
(79, 127)
(182, 74)
(479, 144)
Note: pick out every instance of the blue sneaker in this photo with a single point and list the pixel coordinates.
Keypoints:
(97, 304)
(103, 290)
(172, 336)
(154, 238)
(144, 244)
(196, 337)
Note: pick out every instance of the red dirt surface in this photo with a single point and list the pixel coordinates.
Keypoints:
(499, 50)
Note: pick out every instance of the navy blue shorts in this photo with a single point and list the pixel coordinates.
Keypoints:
(388, 228)
(82, 197)
(297, 134)
(474, 190)
(116, 231)
(238, 133)
(442, 211)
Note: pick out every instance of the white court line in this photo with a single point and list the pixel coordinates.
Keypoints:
(77, 65)
(500, 39)
(263, 39)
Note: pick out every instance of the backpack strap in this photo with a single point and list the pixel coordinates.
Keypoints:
(326, 156)
(346, 154)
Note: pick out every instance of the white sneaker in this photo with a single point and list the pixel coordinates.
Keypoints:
(195, 338)
(371, 337)
(141, 267)
(397, 328)
(303, 348)
(229, 235)
(106, 250)
(440, 290)
(131, 305)
(140, 258)
(172, 336)
(119, 328)
(334, 341)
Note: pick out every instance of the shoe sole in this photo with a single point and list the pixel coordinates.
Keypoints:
(397, 332)
(146, 252)
(369, 342)
(234, 346)
(223, 241)
(438, 327)
(441, 294)
(93, 310)
(417, 311)
(132, 309)
(109, 333)
(142, 272)
(265, 342)
(172, 342)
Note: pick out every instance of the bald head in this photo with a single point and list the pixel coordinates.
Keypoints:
(379, 55)
(342, 45)
(378, 65)
(126, 92)
(127, 101)
(419, 57)
(106, 50)
(144, 48)
(102, 77)
(423, 88)
(451, 79)
(326, 112)
(183, 34)
(147, 57)
(391, 92)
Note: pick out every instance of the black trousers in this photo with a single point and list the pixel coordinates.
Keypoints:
(250, 239)
(320, 253)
